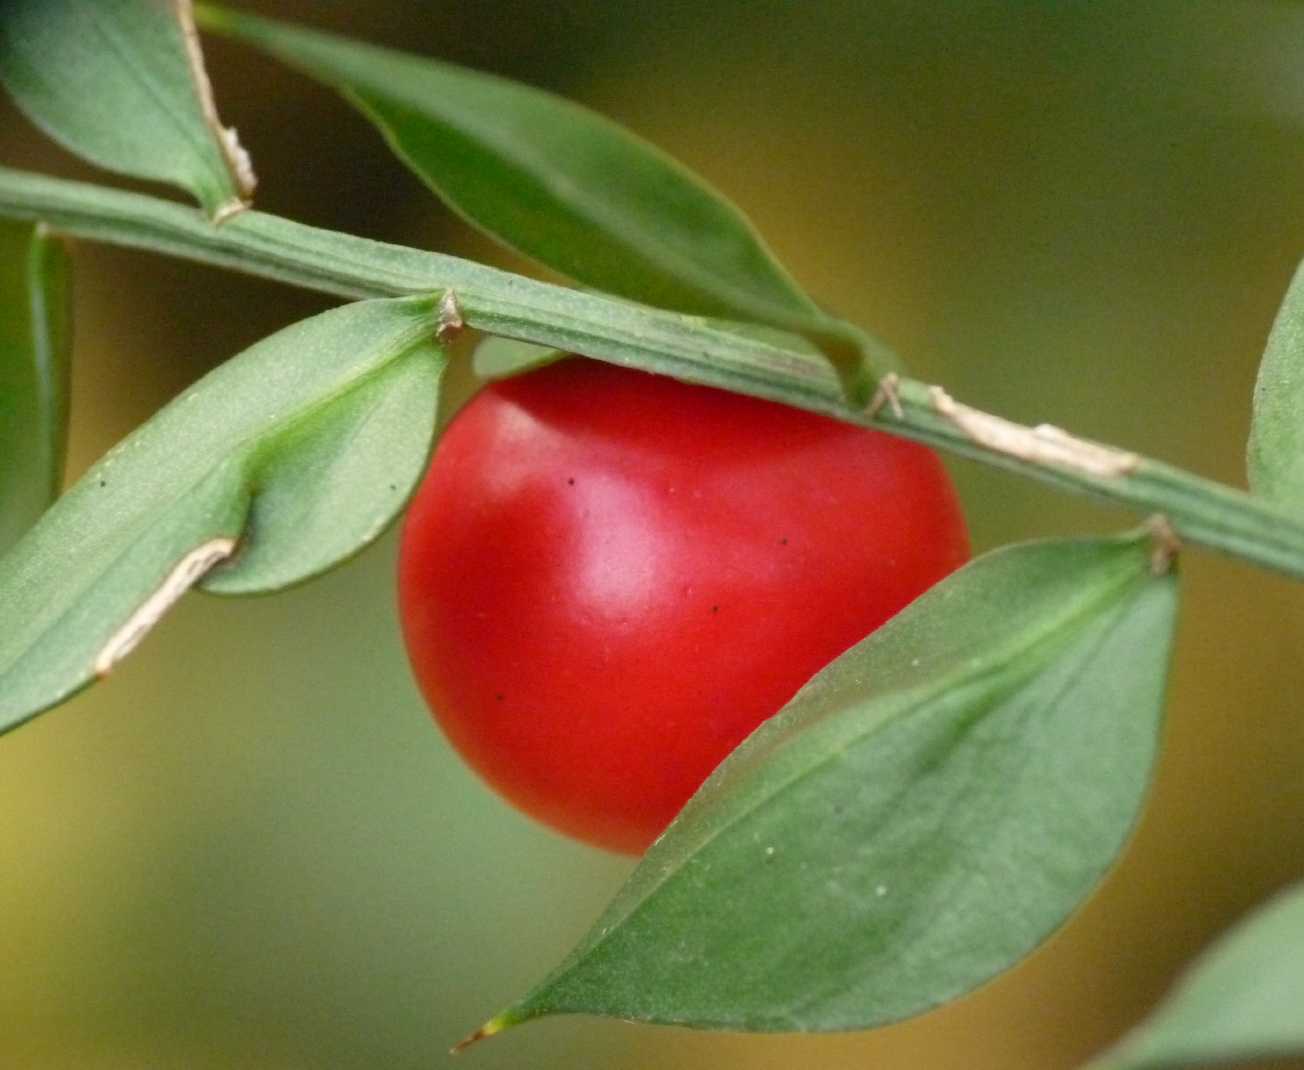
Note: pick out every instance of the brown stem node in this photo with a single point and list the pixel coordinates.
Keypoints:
(886, 394)
(450, 319)
(1166, 544)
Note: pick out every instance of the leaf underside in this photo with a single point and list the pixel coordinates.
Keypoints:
(299, 451)
(920, 817)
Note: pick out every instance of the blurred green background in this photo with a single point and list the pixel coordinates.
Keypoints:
(252, 849)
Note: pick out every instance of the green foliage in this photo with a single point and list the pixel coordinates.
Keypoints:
(492, 301)
(501, 358)
(1276, 449)
(1243, 1000)
(925, 812)
(299, 452)
(763, 364)
(921, 816)
(567, 187)
(116, 82)
(35, 344)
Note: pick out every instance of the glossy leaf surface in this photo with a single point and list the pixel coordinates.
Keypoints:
(1243, 1000)
(122, 83)
(35, 344)
(295, 455)
(923, 814)
(1276, 449)
(565, 186)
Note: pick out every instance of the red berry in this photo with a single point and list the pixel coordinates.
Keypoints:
(608, 579)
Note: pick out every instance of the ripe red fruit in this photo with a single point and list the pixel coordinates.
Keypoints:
(608, 579)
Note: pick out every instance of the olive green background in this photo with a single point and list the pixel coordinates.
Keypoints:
(252, 849)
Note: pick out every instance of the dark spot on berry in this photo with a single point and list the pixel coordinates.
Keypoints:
(783, 541)
(393, 486)
(499, 696)
(571, 481)
(103, 483)
(715, 609)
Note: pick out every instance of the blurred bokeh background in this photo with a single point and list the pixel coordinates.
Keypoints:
(252, 849)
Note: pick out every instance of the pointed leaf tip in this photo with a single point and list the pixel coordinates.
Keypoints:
(491, 1028)
(922, 815)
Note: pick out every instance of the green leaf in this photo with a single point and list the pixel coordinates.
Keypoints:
(501, 358)
(1243, 1000)
(1200, 512)
(924, 813)
(280, 463)
(35, 345)
(567, 187)
(1276, 448)
(122, 83)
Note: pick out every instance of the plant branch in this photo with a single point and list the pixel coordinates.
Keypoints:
(1199, 511)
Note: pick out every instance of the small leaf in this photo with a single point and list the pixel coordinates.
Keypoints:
(1243, 1000)
(501, 358)
(122, 83)
(924, 813)
(293, 456)
(567, 187)
(1276, 448)
(35, 345)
